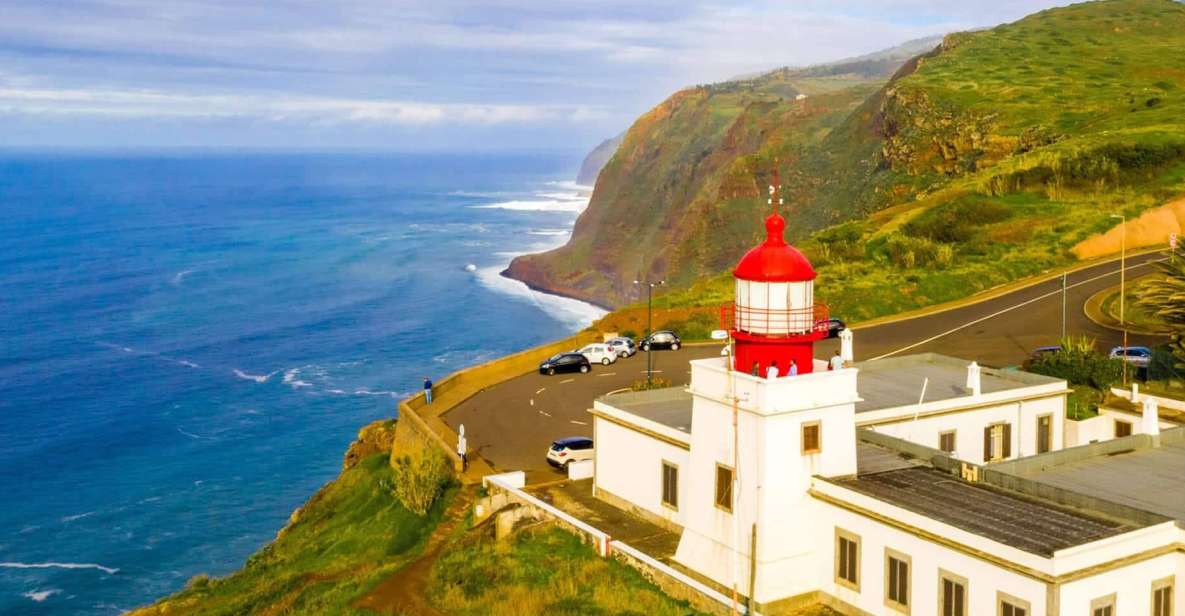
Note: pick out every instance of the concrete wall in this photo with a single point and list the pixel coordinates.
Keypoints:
(969, 426)
(629, 466)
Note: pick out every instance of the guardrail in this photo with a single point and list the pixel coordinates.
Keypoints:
(607, 547)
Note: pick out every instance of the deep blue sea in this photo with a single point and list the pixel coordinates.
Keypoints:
(188, 342)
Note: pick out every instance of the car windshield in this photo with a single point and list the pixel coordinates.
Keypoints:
(555, 447)
(555, 357)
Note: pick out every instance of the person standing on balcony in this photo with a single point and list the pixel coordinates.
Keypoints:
(772, 371)
(793, 368)
(427, 390)
(836, 362)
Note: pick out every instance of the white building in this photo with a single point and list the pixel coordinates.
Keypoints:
(850, 487)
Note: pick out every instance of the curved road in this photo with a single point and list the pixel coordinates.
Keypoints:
(512, 424)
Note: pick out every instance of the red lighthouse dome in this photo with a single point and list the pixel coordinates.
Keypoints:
(774, 260)
(774, 320)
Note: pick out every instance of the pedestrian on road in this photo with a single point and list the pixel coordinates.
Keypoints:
(427, 390)
(462, 448)
(793, 368)
(772, 371)
(836, 362)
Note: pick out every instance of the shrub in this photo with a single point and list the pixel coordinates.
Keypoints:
(420, 478)
(1078, 363)
(629, 333)
(655, 383)
(908, 252)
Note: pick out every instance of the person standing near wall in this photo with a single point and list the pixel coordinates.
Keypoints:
(772, 371)
(427, 390)
(462, 447)
(836, 362)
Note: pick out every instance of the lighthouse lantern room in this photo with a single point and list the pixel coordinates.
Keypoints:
(774, 319)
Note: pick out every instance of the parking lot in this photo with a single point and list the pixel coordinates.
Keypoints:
(512, 424)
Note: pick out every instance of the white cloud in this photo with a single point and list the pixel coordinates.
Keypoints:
(281, 108)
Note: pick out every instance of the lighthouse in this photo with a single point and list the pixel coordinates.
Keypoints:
(774, 318)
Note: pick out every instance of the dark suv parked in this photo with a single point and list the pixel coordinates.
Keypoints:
(662, 339)
(565, 362)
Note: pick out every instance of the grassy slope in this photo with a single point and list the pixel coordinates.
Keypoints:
(542, 572)
(349, 536)
(993, 158)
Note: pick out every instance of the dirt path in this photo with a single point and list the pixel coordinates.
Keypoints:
(403, 592)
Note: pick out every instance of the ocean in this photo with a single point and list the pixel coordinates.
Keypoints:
(189, 341)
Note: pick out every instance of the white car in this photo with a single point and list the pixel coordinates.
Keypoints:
(571, 449)
(599, 353)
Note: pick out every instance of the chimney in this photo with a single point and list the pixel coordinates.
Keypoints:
(974, 383)
(1150, 423)
(845, 346)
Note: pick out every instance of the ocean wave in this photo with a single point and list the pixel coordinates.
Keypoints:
(366, 392)
(548, 205)
(572, 312)
(192, 435)
(40, 595)
(160, 356)
(293, 382)
(56, 565)
(570, 185)
(258, 378)
(71, 518)
(180, 276)
(550, 232)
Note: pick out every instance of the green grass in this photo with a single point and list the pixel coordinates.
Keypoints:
(351, 535)
(542, 572)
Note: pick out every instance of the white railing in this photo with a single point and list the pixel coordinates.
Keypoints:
(606, 545)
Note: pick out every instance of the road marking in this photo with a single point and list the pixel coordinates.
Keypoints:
(652, 371)
(567, 381)
(608, 374)
(1011, 308)
(532, 402)
(579, 423)
(540, 391)
(545, 413)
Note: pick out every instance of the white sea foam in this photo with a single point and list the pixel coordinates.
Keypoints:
(71, 518)
(180, 276)
(574, 313)
(41, 595)
(366, 392)
(337, 391)
(570, 185)
(293, 382)
(186, 362)
(191, 434)
(537, 205)
(550, 232)
(56, 565)
(258, 378)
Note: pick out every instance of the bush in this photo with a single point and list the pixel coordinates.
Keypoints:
(629, 333)
(956, 223)
(420, 478)
(655, 383)
(908, 252)
(1078, 363)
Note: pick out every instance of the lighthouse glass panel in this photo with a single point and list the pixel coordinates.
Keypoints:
(776, 308)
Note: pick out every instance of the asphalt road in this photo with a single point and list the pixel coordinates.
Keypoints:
(512, 424)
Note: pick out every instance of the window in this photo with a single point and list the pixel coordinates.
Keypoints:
(1007, 605)
(1044, 433)
(1162, 597)
(952, 594)
(670, 485)
(897, 580)
(724, 487)
(1122, 428)
(1103, 606)
(810, 437)
(997, 442)
(847, 559)
(946, 441)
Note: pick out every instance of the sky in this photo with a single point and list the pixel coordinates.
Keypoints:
(409, 76)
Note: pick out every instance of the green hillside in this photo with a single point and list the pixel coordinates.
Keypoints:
(982, 161)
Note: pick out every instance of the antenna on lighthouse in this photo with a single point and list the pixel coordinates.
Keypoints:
(775, 191)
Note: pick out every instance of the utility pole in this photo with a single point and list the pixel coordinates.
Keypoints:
(1123, 286)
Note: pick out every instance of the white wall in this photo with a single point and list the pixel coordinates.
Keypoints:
(969, 426)
(1102, 427)
(629, 465)
(1132, 586)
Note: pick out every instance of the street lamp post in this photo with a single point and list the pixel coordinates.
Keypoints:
(1123, 285)
(649, 327)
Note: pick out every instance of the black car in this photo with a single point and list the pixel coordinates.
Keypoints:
(834, 326)
(565, 362)
(663, 339)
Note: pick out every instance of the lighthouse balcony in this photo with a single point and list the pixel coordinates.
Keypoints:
(776, 322)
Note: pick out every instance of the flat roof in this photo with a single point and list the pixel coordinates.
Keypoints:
(897, 381)
(1150, 479)
(670, 407)
(1013, 519)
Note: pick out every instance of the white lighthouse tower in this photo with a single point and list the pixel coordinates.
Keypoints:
(757, 441)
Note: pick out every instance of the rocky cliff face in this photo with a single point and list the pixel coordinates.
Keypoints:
(591, 167)
(1081, 98)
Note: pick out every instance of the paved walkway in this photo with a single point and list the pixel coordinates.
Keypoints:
(576, 498)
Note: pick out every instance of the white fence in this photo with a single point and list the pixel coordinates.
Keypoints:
(606, 546)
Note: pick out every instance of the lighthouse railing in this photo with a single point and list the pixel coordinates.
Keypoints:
(775, 321)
